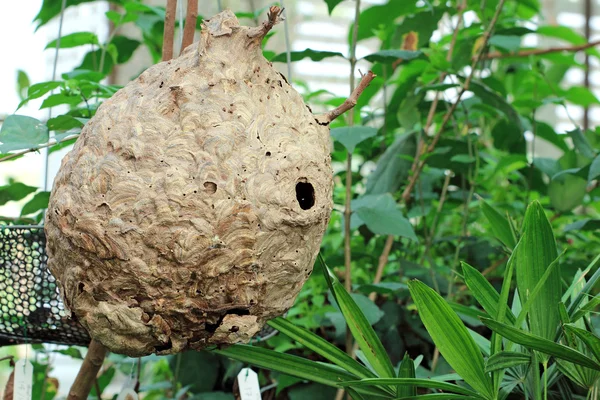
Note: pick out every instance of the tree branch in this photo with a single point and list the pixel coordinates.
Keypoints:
(87, 373)
(190, 24)
(273, 17)
(538, 52)
(31, 150)
(169, 33)
(325, 119)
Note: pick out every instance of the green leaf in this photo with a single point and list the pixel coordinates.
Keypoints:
(190, 362)
(38, 90)
(591, 341)
(594, 169)
(589, 285)
(14, 192)
(507, 42)
(72, 352)
(406, 370)
(292, 365)
(125, 48)
(506, 359)
(19, 132)
(392, 167)
(390, 56)
(534, 342)
(484, 292)
(61, 98)
(581, 143)
(581, 95)
(536, 252)
(64, 123)
(363, 333)
(39, 202)
(331, 4)
(463, 159)
(74, 40)
(22, 84)
(567, 192)
(588, 307)
(350, 136)
(382, 216)
(451, 337)
(493, 99)
(412, 382)
(377, 16)
(500, 225)
(314, 55)
(321, 346)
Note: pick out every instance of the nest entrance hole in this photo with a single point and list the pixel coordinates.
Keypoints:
(305, 194)
(212, 328)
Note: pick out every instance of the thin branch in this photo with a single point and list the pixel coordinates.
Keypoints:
(32, 149)
(169, 33)
(539, 52)
(87, 373)
(325, 119)
(190, 24)
(273, 17)
(383, 260)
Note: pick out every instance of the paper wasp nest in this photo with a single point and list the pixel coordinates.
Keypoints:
(192, 207)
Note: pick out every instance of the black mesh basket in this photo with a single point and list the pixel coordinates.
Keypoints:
(31, 307)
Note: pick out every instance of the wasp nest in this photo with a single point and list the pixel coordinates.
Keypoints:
(192, 207)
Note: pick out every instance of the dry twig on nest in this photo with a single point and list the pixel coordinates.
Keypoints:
(87, 373)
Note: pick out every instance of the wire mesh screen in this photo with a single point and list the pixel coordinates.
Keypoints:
(32, 311)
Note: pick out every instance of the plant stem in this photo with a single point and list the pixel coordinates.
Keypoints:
(190, 24)
(87, 373)
(169, 33)
(539, 52)
(52, 142)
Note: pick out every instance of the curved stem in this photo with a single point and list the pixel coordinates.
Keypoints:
(87, 373)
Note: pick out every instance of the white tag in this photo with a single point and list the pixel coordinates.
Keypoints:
(23, 380)
(248, 383)
(128, 394)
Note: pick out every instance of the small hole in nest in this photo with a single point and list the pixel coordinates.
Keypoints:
(164, 347)
(268, 154)
(305, 194)
(210, 187)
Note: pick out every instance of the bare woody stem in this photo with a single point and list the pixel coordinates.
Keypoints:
(190, 24)
(273, 17)
(539, 52)
(87, 373)
(169, 33)
(350, 102)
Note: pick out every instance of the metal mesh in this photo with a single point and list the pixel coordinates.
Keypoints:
(30, 305)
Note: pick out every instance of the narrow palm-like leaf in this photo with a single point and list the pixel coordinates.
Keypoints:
(326, 374)
(506, 359)
(361, 329)
(440, 396)
(580, 277)
(537, 290)
(321, 347)
(467, 311)
(586, 308)
(406, 370)
(500, 225)
(591, 341)
(534, 342)
(585, 291)
(422, 383)
(484, 292)
(451, 337)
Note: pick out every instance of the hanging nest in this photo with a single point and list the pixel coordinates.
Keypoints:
(192, 207)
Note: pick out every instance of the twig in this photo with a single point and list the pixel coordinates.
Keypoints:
(169, 33)
(190, 24)
(9, 389)
(42, 146)
(383, 260)
(350, 102)
(87, 373)
(273, 17)
(539, 52)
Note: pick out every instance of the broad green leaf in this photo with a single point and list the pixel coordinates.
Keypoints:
(537, 250)
(39, 202)
(484, 292)
(406, 370)
(549, 166)
(23, 84)
(581, 143)
(61, 98)
(594, 169)
(581, 95)
(14, 192)
(500, 226)
(363, 333)
(585, 224)
(567, 34)
(125, 48)
(506, 42)
(382, 216)
(412, 382)
(463, 158)
(350, 136)
(567, 192)
(74, 40)
(321, 347)
(19, 132)
(506, 359)
(314, 55)
(534, 342)
(591, 341)
(376, 16)
(451, 337)
(331, 4)
(390, 56)
(72, 352)
(190, 362)
(493, 99)
(64, 123)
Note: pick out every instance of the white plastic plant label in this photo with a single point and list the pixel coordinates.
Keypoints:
(248, 383)
(23, 380)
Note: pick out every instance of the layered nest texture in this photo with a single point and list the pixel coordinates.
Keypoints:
(192, 206)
